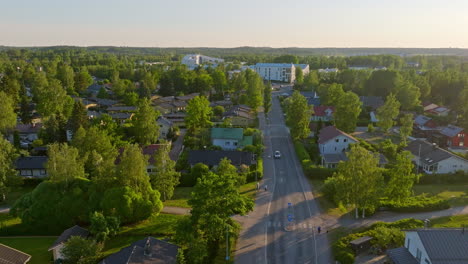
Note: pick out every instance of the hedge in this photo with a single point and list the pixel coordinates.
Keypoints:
(458, 177)
(420, 203)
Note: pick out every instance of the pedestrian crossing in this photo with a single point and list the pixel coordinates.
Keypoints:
(290, 225)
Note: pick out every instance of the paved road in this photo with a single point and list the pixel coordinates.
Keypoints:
(282, 228)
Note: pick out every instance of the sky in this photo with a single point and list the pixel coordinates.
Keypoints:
(223, 23)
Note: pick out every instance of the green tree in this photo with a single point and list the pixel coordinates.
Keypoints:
(79, 116)
(347, 112)
(286, 59)
(203, 83)
(359, 179)
(55, 129)
(406, 127)
(298, 114)
(254, 90)
(66, 76)
(79, 250)
(219, 81)
(82, 80)
(311, 81)
(53, 99)
(131, 170)
(7, 168)
(387, 113)
(196, 172)
(299, 78)
(7, 113)
(402, 178)
(218, 111)
(408, 94)
(226, 168)
(164, 177)
(103, 227)
(199, 114)
(267, 98)
(331, 94)
(145, 126)
(64, 163)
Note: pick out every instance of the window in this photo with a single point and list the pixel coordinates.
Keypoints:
(337, 140)
(235, 143)
(408, 242)
(26, 172)
(227, 143)
(461, 144)
(43, 172)
(345, 140)
(335, 148)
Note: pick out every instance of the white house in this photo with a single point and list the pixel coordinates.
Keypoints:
(434, 160)
(282, 72)
(432, 246)
(164, 127)
(56, 248)
(230, 138)
(334, 141)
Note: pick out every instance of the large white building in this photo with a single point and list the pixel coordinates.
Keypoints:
(194, 60)
(281, 72)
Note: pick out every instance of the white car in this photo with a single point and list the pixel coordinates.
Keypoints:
(277, 154)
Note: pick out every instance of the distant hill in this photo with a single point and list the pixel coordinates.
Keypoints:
(263, 51)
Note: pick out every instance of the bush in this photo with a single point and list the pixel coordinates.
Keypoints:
(33, 182)
(458, 177)
(301, 151)
(317, 172)
(420, 203)
(370, 128)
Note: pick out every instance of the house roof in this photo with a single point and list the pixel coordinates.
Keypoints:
(314, 101)
(371, 101)
(213, 157)
(179, 103)
(105, 102)
(361, 240)
(421, 120)
(303, 66)
(121, 115)
(428, 152)
(331, 132)
(451, 131)
(323, 109)
(10, 255)
(187, 97)
(72, 231)
(28, 128)
(401, 255)
(445, 245)
(227, 133)
(438, 110)
(164, 121)
(122, 108)
(281, 65)
(31, 162)
(160, 252)
(94, 88)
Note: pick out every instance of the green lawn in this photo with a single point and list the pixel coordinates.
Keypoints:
(456, 194)
(450, 221)
(180, 197)
(326, 205)
(249, 189)
(160, 226)
(34, 246)
(14, 194)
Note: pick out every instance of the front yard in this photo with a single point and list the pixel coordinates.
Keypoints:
(35, 246)
(455, 194)
(14, 194)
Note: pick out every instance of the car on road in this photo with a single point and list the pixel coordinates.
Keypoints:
(277, 154)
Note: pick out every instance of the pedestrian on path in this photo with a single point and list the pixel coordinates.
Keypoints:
(319, 229)
(258, 186)
(266, 187)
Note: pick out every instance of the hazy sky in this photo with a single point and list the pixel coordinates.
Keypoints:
(222, 23)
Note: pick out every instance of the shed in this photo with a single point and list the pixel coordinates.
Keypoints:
(361, 245)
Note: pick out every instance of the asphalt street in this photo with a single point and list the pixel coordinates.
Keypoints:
(283, 228)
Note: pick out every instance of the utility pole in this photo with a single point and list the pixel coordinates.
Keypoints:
(227, 243)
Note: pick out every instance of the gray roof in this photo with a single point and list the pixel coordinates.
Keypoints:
(31, 162)
(160, 252)
(164, 121)
(281, 65)
(213, 157)
(105, 102)
(94, 88)
(121, 115)
(401, 255)
(421, 120)
(10, 255)
(122, 108)
(445, 245)
(314, 101)
(72, 231)
(371, 101)
(361, 240)
(451, 131)
(428, 152)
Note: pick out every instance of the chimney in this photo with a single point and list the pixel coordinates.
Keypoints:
(426, 223)
(147, 250)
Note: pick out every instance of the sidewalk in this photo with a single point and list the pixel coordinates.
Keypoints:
(176, 210)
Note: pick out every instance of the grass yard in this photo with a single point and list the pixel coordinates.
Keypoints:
(327, 206)
(180, 197)
(14, 194)
(34, 246)
(456, 194)
(450, 221)
(249, 189)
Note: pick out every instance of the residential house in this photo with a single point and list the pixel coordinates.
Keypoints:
(10, 255)
(27, 133)
(67, 234)
(32, 166)
(359, 68)
(371, 102)
(121, 117)
(177, 119)
(327, 70)
(439, 111)
(240, 116)
(145, 251)
(453, 136)
(334, 141)
(424, 127)
(121, 108)
(193, 61)
(187, 97)
(164, 126)
(282, 72)
(304, 67)
(226, 104)
(105, 102)
(323, 113)
(431, 159)
(147, 151)
(429, 106)
(230, 138)
(213, 157)
(332, 160)
(432, 246)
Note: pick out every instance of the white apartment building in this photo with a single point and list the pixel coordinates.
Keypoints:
(281, 72)
(194, 60)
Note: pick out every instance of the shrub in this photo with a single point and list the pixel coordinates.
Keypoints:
(301, 151)
(420, 203)
(370, 128)
(33, 182)
(318, 172)
(458, 177)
